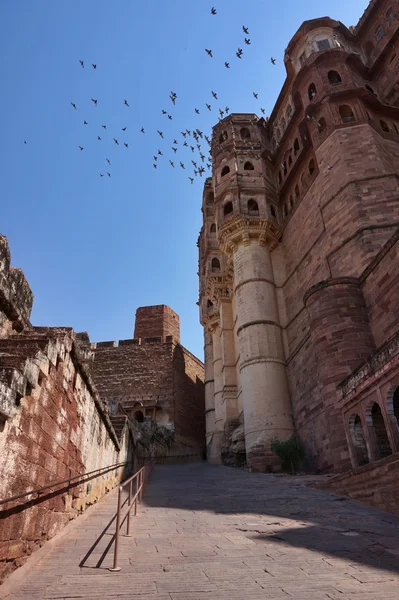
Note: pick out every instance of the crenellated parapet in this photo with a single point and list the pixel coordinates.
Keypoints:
(16, 297)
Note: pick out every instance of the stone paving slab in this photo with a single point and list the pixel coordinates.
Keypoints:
(214, 533)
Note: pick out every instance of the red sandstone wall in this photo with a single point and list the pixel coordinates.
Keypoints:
(157, 321)
(189, 392)
(375, 484)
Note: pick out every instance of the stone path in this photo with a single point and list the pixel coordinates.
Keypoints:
(211, 532)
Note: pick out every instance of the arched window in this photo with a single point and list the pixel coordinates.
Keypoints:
(358, 440)
(311, 167)
(289, 160)
(380, 432)
(334, 77)
(346, 114)
(312, 91)
(296, 146)
(253, 208)
(384, 126)
(379, 32)
(273, 211)
(228, 208)
(223, 137)
(245, 133)
(138, 416)
(209, 304)
(210, 198)
(321, 125)
(248, 166)
(225, 170)
(297, 192)
(215, 264)
(370, 90)
(213, 228)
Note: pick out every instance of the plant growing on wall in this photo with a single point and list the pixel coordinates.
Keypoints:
(291, 453)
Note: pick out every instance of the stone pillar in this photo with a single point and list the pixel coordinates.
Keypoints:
(209, 395)
(266, 400)
(218, 396)
(342, 339)
(228, 357)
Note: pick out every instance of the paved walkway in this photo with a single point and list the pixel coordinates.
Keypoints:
(211, 532)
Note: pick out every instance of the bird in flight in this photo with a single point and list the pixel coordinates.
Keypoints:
(185, 144)
(175, 142)
(182, 165)
(245, 30)
(126, 145)
(255, 95)
(247, 41)
(98, 137)
(104, 126)
(94, 101)
(85, 123)
(24, 141)
(125, 102)
(160, 153)
(226, 110)
(194, 163)
(80, 148)
(116, 141)
(142, 130)
(227, 65)
(174, 149)
(239, 53)
(213, 11)
(202, 157)
(172, 164)
(124, 128)
(214, 94)
(173, 94)
(209, 52)
(160, 133)
(155, 157)
(173, 98)
(109, 174)
(199, 146)
(154, 165)
(108, 161)
(208, 106)
(262, 111)
(102, 174)
(188, 131)
(197, 111)
(82, 63)
(221, 112)
(192, 148)
(191, 179)
(170, 117)
(164, 112)
(94, 66)
(273, 60)
(74, 106)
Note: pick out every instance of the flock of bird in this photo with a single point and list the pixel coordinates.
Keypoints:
(189, 140)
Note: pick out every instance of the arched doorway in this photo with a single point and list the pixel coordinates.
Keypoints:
(358, 440)
(383, 447)
(138, 416)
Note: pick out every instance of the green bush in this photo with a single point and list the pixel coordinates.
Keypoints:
(290, 452)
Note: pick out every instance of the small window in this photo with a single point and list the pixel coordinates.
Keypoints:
(379, 32)
(225, 170)
(253, 208)
(390, 15)
(334, 77)
(312, 91)
(228, 208)
(370, 90)
(321, 125)
(273, 211)
(248, 166)
(210, 198)
(323, 45)
(346, 114)
(384, 127)
(296, 146)
(289, 111)
(213, 228)
(297, 192)
(215, 264)
(245, 133)
(223, 137)
(311, 167)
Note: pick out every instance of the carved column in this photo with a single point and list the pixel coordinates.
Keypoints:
(218, 394)
(265, 394)
(209, 394)
(228, 356)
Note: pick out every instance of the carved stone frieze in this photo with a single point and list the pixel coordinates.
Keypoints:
(240, 230)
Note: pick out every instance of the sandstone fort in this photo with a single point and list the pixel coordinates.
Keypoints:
(298, 298)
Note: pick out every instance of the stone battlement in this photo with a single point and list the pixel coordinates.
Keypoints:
(133, 342)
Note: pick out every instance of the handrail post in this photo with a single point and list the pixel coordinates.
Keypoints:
(128, 534)
(135, 498)
(118, 524)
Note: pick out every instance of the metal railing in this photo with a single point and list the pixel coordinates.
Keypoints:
(140, 478)
(86, 476)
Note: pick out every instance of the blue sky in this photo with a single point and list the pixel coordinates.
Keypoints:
(95, 248)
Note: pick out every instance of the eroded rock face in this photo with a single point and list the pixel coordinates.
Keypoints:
(233, 448)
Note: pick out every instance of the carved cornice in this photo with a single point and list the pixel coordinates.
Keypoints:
(211, 321)
(239, 230)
